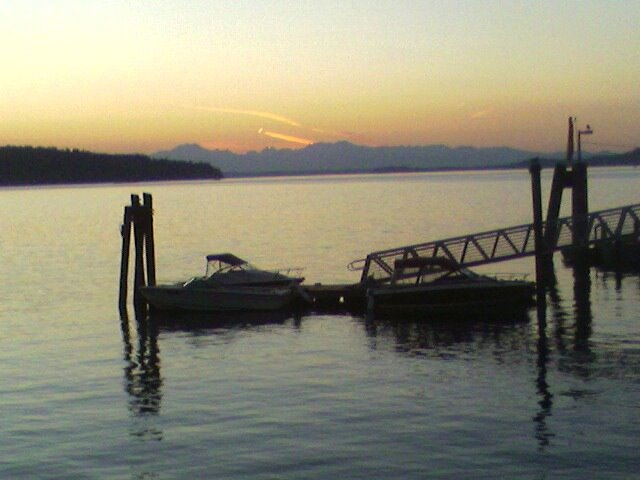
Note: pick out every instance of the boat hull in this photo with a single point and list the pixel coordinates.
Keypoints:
(458, 299)
(223, 299)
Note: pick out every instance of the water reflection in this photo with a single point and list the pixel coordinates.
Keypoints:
(142, 378)
(606, 275)
(558, 316)
(545, 402)
(582, 309)
(445, 338)
(573, 328)
(563, 340)
(432, 336)
(203, 323)
(578, 351)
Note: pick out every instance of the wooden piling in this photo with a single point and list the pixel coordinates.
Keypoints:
(558, 184)
(124, 261)
(536, 197)
(149, 240)
(579, 204)
(140, 218)
(138, 240)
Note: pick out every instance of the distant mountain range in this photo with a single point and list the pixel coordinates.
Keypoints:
(345, 157)
(38, 165)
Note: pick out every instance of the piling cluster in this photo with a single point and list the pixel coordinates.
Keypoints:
(138, 217)
(546, 232)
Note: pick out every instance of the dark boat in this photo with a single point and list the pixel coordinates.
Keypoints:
(440, 285)
(622, 255)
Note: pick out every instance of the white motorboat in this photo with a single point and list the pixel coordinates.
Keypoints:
(229, 284)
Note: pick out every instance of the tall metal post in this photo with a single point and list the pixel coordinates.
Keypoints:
(580, 195)
(587, 131)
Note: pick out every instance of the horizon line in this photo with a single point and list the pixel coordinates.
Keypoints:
(627, 148)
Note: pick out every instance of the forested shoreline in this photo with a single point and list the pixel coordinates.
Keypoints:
(48, 165)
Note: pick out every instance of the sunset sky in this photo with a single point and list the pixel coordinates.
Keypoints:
(143, 76)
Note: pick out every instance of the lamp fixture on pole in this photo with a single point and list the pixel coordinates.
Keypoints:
(587, 131)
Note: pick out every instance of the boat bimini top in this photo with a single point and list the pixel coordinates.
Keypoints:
(220, 261)
(228, 269)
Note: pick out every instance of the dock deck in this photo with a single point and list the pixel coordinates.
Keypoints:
(349, 296)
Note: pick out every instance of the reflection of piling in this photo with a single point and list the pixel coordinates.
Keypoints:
(582, 307)
(142, 378)
(140, 218)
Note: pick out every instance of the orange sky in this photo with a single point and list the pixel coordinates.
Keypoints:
(124, 76)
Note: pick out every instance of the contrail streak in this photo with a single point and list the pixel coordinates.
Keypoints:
(254, 113)
(482, 113)
(286, 138)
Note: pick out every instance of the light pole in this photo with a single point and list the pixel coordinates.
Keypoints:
(580, 196)
(588, 131)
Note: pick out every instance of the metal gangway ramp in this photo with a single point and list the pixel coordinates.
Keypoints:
(505, 243)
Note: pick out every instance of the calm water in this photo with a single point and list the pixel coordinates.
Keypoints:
(83, 395)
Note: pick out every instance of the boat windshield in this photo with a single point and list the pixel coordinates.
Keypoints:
(452, 275)
(227, 262)
(427, 270)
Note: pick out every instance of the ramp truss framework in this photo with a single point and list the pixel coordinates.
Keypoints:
(505, 243)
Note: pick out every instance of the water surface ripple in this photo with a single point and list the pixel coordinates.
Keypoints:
(86, 394)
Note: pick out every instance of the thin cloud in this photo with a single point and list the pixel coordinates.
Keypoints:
(334, 133)
(253, 113)
(481, 113)
(286, 138)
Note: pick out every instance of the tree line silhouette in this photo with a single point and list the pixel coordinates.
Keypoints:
(47, 165)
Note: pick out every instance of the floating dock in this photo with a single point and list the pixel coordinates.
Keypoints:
(613, 234)
(336, 297)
